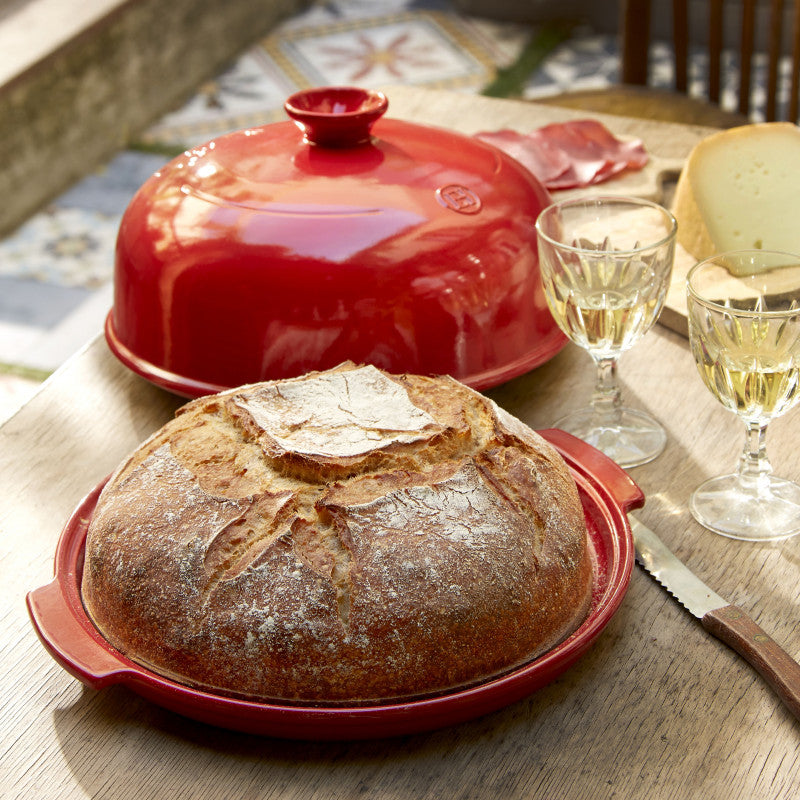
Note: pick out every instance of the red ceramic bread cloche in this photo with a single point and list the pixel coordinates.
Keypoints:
(339, 235)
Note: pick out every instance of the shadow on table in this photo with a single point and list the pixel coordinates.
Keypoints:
(113, 733)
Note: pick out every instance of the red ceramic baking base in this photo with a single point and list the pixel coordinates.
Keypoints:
(182, 385)
(607, 494)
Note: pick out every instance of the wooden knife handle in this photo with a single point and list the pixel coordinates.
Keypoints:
(733, 626)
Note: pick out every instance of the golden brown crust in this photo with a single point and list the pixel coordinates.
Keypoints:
(346, 537)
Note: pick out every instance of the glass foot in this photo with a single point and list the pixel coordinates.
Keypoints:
(726, 507)
(636, 439)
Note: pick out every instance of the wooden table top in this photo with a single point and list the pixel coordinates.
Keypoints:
(656, 709)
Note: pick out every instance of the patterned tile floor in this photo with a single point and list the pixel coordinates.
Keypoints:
(56, 269)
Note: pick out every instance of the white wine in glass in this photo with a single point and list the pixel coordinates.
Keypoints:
(606, 264)
(744, 329)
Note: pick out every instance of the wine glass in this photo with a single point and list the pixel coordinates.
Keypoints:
(744, 329)
(606, 264)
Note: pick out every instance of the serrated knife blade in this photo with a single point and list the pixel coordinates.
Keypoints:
(729, 623)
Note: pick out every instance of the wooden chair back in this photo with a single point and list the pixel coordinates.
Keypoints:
(635, 25)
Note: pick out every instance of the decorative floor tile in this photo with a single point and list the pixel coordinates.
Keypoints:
(502, 41)
(585, 62)
(662, 69)
(16, 339)
(43, 348)
(423, 48)
(250, 93)
(70, 247)
(420, 50)
(50, 264)
(52, 347)
(37, 304)
(729, 89)
(109, 190)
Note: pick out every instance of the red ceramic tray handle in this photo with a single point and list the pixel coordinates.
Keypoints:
(67, 640)
(58, 616)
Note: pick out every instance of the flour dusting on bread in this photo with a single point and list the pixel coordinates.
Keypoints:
(337, 413)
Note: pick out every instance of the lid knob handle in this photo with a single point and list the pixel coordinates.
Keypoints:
(336, 116)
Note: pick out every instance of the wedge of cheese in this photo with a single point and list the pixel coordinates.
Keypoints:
(740, 189)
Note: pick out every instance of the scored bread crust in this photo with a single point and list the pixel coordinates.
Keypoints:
(348, 536)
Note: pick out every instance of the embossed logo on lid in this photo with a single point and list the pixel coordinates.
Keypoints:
(459, 198)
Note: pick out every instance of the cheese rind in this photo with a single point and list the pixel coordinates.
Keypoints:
(739, 190)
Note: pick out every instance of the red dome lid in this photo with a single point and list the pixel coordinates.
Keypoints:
(291, 247)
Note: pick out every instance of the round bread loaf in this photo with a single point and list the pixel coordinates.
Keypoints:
(347, 536)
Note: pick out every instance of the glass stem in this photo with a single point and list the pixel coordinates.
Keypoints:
(754, 466)
(607, 396)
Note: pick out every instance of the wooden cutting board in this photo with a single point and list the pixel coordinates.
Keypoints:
(673, 316)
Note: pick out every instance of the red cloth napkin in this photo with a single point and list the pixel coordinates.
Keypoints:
(567, 155)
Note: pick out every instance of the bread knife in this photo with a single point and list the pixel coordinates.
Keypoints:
(729, 623)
